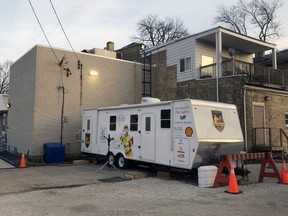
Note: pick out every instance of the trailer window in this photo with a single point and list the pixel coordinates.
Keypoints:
(112, 123)
(133, 122)
(148, 124)
(88, 124)
(165, 118)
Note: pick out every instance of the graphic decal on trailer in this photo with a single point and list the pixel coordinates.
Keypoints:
(87, 140)
(127, 141)
(218, 120)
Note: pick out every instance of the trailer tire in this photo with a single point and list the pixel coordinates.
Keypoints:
(122, 162)
(111, 159)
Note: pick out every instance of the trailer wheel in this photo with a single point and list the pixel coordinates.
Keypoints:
(122, 162)
(111, 159)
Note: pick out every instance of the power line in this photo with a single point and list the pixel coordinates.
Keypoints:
(63, 29)
(43, 31)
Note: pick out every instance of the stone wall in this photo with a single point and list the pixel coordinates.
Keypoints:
(275, 106)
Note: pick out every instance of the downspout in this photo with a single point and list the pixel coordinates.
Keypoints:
(218, 36)
(274, 58)
(245, 121)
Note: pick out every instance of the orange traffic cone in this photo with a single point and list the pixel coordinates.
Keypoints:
(284, 174)
(23, 162)
(233, 185)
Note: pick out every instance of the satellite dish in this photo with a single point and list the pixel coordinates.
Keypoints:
(232, 52)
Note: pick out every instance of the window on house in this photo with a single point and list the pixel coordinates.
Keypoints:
(206, 60)
(185, 64)
(165, 118)
(112, 123)
(133, 122)
(286, 119)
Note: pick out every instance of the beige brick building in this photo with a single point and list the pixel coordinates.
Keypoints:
(36, 94)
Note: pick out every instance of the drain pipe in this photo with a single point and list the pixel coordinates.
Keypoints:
(245, 121)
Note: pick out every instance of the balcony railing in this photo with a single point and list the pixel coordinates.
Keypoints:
(270, 139)
(255, 73)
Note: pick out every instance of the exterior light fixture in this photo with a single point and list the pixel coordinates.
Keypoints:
(267, 98)
(93, 73)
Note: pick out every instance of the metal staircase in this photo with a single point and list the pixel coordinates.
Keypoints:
(274, 140)
(147, 74)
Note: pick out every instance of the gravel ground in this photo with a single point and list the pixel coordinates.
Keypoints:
(148, 196)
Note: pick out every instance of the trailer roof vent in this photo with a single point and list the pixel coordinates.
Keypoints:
(149, 100)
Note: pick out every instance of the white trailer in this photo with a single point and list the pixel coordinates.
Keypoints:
(183, 133)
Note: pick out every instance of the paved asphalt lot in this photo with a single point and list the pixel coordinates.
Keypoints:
(79, 190)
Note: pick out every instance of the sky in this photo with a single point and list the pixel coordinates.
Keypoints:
(92, 23)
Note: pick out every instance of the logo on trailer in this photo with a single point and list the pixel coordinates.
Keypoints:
(188, 131)
(218, 120)
(87, 140)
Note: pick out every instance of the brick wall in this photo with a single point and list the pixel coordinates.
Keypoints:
(38, 77)
(21, 96)
(275, 109)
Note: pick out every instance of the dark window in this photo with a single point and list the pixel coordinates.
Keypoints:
(182, 65)
(185, 64)
(286, 118)
(133, 122)
(148, 124)
(112, 123)
(165, 118)
(88, 124)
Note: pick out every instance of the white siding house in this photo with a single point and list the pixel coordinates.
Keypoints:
(184, 49)
(190, 53)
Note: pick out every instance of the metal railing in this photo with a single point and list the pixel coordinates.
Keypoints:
(208, 71)
(255, 73)
(283, 136)
(269, 139)
(8, 153)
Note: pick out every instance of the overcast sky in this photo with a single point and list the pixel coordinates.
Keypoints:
(91, 23)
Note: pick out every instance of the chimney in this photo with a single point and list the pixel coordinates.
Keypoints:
(110, 46)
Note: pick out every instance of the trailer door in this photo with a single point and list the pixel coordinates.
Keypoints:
(147, 147)
(86, 144)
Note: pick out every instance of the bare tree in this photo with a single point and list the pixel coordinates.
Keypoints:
(5, 76)
(259, 15)
(153, 31)
(234, 17)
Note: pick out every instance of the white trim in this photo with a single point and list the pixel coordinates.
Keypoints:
(209, 32)
(266, 89)
(247, 38)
